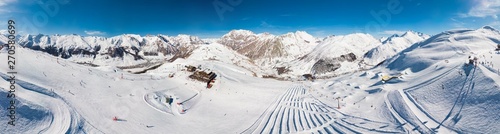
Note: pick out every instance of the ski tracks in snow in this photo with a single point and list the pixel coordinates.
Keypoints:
(296, 111)
(64, 118)
(467, 88)
(407, 111)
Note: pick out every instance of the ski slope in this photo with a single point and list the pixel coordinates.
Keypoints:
(80, 99)
(297, 111)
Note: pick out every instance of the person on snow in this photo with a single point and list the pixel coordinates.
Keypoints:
(170, 100)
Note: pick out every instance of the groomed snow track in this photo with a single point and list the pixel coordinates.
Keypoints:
(406, 110)
(65, 119)
(296, 111)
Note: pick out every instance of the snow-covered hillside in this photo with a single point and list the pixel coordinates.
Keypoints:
(446, 45)
(61, 96)
(334, 46)
(391, 46)
(334, 55)
(216, 52)
(445, 91)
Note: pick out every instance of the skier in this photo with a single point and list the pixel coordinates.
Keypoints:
(208, 84)
(170, 100)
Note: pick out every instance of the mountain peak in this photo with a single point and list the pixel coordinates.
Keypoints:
(489, 28)
(301, 32)
(411, 32)
(240, 32)
(298, 34)
(397, 35)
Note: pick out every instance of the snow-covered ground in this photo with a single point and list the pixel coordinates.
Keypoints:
(432, 91)
(75, 98)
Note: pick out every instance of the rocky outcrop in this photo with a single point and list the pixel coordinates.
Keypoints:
(330, 65)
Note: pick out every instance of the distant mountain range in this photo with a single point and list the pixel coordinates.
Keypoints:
(127, 49)
(287, 55)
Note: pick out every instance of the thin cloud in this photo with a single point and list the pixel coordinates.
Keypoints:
(266, 25)
(483, 8)
(320, 33)
(4, 6)
(392, 32)
(6, 2)
(94, 32)
(494, 24)
(457, 23)
(246, 18)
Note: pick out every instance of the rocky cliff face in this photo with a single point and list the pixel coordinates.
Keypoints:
(268, 46)
(330, 65)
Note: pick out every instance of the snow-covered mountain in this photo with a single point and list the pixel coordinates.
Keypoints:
(287, 55)
(267, 49)
(450, 93)
(124, 49)
(391, 46)
(216, 52)
(3, 41)
(335, 46)
(272, 53)
(446, 45)
(3, 38)
(290, 55)
(334, 55)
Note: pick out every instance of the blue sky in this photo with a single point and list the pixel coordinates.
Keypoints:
(213, 18)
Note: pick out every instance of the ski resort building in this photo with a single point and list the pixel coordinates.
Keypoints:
(308, 77)
(190, 68)
(204, 77)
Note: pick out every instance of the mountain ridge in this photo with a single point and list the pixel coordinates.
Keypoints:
(297, 52)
